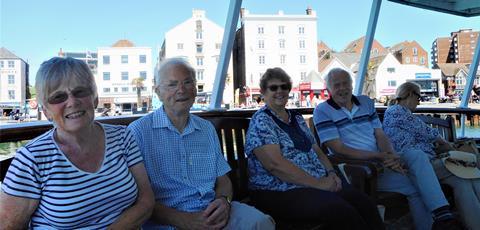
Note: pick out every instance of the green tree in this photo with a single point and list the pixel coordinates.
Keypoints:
(138, 83)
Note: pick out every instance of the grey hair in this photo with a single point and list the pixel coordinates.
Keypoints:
(275, 73)
(404, 90)
(169, 63)
(334, 72)
(58, 70)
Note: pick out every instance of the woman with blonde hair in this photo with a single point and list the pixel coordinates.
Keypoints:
(81, 174)
(408, 132)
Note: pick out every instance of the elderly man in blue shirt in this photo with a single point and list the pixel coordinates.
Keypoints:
(185, 163)
(349, 126)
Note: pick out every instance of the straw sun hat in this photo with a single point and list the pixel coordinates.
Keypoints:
(462, 164)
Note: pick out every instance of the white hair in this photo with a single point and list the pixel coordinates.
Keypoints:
(335, 72)
(173, 62)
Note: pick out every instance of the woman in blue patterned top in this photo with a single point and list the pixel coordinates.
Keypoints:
(408, 132)
(290, 177)
(81, 174)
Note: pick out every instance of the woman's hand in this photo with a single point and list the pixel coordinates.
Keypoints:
(442, 146)
(331, 183)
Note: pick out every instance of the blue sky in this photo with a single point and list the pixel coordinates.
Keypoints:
(36, 30)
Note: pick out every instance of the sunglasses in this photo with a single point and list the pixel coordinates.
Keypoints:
(61, 96)
(274, 88)
(462, 163)
(418, 95)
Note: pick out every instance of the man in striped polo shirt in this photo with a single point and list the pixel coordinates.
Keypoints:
(185, 163)
(349, 126)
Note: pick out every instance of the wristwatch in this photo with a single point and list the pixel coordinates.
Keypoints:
(227, 198)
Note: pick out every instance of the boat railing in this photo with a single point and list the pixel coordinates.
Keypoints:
(30, 130)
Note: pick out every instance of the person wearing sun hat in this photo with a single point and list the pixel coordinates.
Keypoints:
(457, 169)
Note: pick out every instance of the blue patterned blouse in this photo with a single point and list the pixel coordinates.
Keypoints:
(407, 131)
(263, 130)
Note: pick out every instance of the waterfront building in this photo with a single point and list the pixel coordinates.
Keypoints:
(198, 40)
(265, 41)
(356, 46)
(14, 89)
(458, 48)
(410, 52)
(122, 68)
(88, 56)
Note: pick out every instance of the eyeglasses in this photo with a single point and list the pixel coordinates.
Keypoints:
(418, 95)
(274, 88)
(174, 85)
(462, 163)
(61, 96)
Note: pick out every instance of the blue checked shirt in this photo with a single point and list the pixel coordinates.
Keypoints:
(182, 167)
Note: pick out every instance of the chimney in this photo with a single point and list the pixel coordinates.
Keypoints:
(309, 10)
(60, 53)
(242, 12)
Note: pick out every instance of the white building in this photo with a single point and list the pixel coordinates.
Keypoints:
(118, 66)
(286, 41)
(89, 57)
(198, 40)
(13, 81)
(390, 74)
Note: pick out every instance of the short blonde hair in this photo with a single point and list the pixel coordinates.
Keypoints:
(404, 90)
(57, 70)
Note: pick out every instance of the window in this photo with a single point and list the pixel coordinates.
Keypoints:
(199, 61)
(143, 75)
(106, 76)
(218, 46)
(1, 64)
(106, 90)
(124, 59)
(106, 60)
(260, 30)
(281, 43)
(198, 24)
(115, 89)
(200, 88)
(180, 46)
(124, 89)
(142, 58)
(415, 51)
(199, 35)
(407, 60)
(11, 64)
(282, 58)
(124, 76)
(261, 60)
(11, 79)
(422, 60)
(303, 76)
(261, 44)
(391, 70)
(392, 83)
(301, 30)
(11, 94)
(301, 44)
(302, 59)
(374, 51)
(281, 29)
(415, 59)
(200, 75)
(199, 48)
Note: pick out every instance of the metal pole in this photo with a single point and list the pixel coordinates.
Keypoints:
(467, 90)
(226, 50)
(367, 45)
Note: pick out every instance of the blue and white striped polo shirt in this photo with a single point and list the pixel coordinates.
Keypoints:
(70, 198)
(354, 130)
